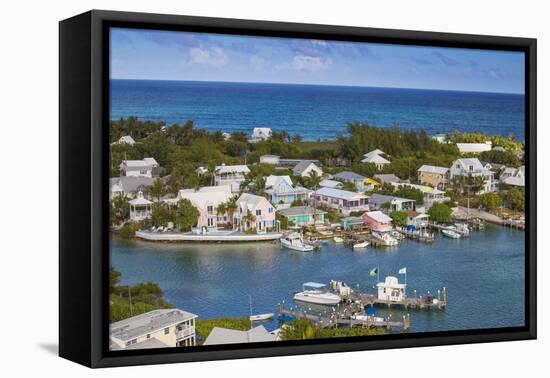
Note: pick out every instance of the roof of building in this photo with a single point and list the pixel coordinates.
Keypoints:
(352, 220)
(433, 169)
(471, 162)
(302, 166)
(515, 181)
(378, 216)
(273, 181)
(270, 156)
(150, 343)
(376, 159)
(387, 177)
(221, 169)
(126, 139)
(382, 198)
(391, 282)
(207, 195)
(349, 176)
(146, 162)
(339, 193)
(300, 210)
(473, 147)
(250, 201)
(423, 188)
(220, 335)
(371, 181)
(330, 184)
(374, 152)
(130, 184)
(148, 322)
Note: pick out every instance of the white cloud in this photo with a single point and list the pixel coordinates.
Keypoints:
(257, 62)
(310, 63)
(214, 56)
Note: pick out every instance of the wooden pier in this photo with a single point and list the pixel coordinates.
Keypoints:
(421, 236)
(427, 302)
(345, 314)
(441, 227)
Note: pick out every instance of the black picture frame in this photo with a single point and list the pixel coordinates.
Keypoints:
(83, 165)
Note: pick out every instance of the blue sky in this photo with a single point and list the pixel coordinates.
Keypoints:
(166, 55)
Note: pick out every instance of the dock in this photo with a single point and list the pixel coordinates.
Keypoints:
(344, 315)
(421, 236)
(427, 302)
(442, 227)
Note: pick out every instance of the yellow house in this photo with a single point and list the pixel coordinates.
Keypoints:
(437, 177)
(370, 184)
(154, 329)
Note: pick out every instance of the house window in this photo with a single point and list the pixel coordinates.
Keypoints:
(258, 212)
(133, 341)
(210, 209)
(270, 210)
(166, 331)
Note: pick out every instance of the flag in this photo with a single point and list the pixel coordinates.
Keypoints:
(374, 272)
(403, 271)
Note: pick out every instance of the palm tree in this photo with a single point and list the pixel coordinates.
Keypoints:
(313, 180)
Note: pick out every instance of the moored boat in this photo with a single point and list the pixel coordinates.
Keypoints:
(451, 234)
(360, 244)
(316, 293)
(260, 317)
(338, 239)
(295, 242)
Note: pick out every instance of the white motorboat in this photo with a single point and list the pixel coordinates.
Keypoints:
(451, 234)
(361, 244)
(386, 239)
(338, 239)
(295, 242)
(260, 317)
(316, 293)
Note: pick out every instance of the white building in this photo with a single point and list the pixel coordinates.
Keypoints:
(305, 167)
(513, 176)
(148, 167)
(126, 139)
(377, 201)
(281, 190)
(258, 334)
(260, 134)
(375, 157)
(331, 184)
(440, 138)
(206, 200)
(391, 290)
(474, 148)
(201, 170)
(140, 208)
(128, 186)
(230, 175)
(473, 167)
(155, 329)
(342, 201)
(270, 159)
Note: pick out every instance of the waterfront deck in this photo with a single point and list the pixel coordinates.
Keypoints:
(345, 315)
(233, 237)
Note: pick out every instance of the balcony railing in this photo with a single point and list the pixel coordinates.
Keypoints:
(185, 332)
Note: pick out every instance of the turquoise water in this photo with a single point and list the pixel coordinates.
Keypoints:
(315, 111)
(484, 275)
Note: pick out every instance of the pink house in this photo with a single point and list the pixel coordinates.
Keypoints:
(254, 213)
(377, 221)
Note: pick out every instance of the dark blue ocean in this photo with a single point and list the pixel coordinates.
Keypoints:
(315, 111)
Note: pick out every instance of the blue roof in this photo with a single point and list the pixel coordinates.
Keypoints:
(349, 176)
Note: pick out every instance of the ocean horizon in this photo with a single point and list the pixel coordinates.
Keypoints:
(316, 111)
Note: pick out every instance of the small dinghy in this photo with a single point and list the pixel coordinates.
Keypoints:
(451, 234)
(260, 317)
(361, 244)
(338, 239)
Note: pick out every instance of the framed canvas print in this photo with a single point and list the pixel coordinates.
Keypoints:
(234, 188)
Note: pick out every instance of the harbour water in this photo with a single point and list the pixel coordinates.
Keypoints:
(484, 275)
(316, 111)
